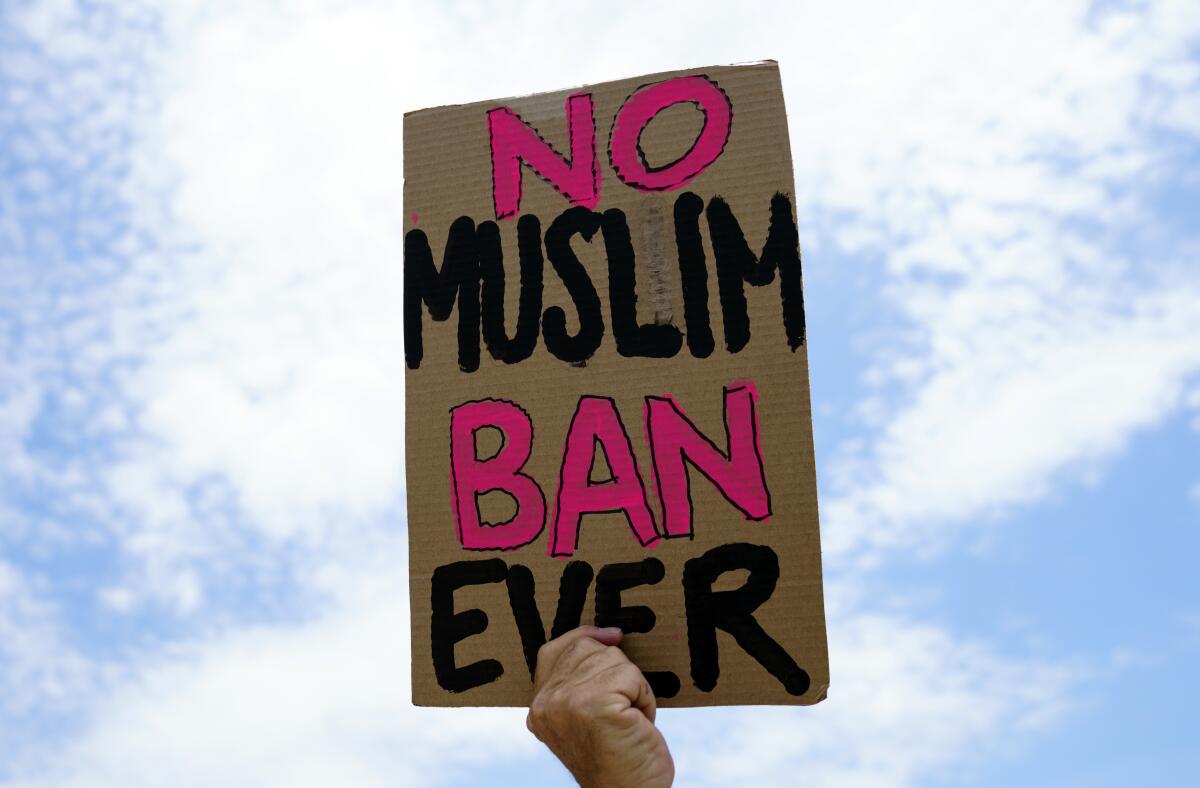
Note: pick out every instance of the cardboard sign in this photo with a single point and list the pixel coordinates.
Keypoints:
(607, 407)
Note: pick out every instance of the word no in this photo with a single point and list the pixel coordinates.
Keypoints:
(514, 141)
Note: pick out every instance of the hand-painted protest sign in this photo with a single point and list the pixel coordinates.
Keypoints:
(608, 416)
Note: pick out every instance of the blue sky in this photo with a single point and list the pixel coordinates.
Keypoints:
(202, 546)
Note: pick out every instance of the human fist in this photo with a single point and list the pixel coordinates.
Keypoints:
(594, 709)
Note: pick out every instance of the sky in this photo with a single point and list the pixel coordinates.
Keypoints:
(202, 517)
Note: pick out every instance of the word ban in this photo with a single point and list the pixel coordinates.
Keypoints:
(674, 441)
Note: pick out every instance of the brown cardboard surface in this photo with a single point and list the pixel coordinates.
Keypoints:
(449, 174)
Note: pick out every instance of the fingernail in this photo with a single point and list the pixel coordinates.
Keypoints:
(611, 630)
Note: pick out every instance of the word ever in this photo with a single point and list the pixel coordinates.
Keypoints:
(706, 612)
(737, 471)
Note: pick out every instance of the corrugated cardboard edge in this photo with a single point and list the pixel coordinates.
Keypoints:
(536, 93)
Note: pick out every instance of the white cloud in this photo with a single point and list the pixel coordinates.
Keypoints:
(63, 90)
(286, 376)
(322, 703)
(67, 97)
(41, 675)
(1000, 193)
(1016, 403)
(907, 701)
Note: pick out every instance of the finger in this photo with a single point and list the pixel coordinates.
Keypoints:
(609, 636)
(578, 658)
(618, 675)
(552, 652)
(644, 699)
